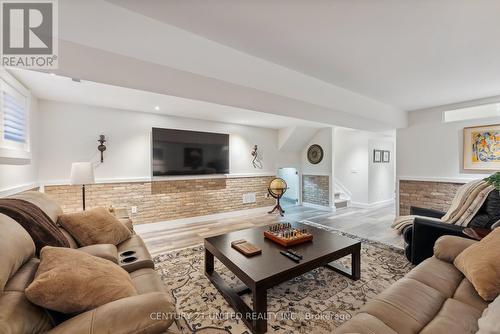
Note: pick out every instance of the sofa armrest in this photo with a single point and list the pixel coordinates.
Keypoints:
(425, 234)
(416, 211)
(105, 251)
(149, 314)
(448, 247)
(128, 223)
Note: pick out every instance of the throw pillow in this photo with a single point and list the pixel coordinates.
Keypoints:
(95, 226)
(480, 264)
(488, 323)
(71, 281)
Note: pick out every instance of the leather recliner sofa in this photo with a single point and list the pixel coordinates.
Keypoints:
(131, 255)
(433, 298)
(18, 266)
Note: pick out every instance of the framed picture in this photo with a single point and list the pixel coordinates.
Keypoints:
(386, 156)
(377, 156)
(482, 147)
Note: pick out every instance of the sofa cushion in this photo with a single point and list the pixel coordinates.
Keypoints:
(43, 201)
(23, 277)
(18, 315)
(16, 248)
(407, 306)
(468, 295)
(440, 275)
(95, 226)
(71, 281)
(148, 313)
(364, 323)
(146, 280)
(489, 323)
(454, 317)
(480, 264)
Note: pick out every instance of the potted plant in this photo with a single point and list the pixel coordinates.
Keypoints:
(494, 180)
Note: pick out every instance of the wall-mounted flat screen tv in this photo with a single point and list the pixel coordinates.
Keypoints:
(179, 152)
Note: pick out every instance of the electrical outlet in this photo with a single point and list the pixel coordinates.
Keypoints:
(134, 209)
(249, 198)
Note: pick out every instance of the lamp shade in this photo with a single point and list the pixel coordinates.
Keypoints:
(82, 173)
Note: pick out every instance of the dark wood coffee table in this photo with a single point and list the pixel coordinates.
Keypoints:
(270, 268)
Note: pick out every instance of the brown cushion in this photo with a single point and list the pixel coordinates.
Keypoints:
(71, 281)
(480, 264)
(95, 226)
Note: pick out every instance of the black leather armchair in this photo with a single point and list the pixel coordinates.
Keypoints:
(420, 237)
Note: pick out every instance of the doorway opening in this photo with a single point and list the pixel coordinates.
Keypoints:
(292, 179)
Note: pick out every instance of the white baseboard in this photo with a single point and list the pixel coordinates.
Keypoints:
(373, 205)
(17, 189)
(319, 207)
(141, 228)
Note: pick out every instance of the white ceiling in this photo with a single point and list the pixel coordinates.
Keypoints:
(126, 48)
(405, 53)
(64, 89)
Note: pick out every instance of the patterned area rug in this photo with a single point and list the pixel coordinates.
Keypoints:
(316, 302)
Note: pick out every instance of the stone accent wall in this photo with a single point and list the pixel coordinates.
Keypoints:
(167, 200)
(316, 189)
(426, 194)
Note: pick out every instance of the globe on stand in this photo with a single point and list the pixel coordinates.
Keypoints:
(277, 188)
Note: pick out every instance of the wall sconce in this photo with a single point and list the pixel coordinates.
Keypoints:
(102, 147)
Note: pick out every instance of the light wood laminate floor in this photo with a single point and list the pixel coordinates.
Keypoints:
(373, 224)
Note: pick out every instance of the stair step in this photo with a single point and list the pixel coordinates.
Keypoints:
(342, 203)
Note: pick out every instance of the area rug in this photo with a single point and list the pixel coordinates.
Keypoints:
(316, 302)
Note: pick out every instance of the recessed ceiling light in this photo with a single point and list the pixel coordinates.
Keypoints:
(53, 74)
(157, 108)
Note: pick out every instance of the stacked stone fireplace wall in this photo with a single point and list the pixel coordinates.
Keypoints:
(316, 189)
(426, 194)
(167, 200)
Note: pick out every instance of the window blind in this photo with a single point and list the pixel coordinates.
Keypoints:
(14, 118)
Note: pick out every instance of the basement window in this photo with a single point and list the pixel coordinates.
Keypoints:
(471, 113)
(14, 122)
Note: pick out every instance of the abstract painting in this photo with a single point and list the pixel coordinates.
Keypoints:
(482, 147)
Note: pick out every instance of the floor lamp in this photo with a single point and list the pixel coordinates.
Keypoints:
(82, 173)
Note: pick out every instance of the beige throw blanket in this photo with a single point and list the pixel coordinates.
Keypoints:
(466, 203)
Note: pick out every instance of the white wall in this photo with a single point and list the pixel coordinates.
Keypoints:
(381, 176)
(369, 183)
(351, 162)
(15, 178)
(430, 149)
(69, 133)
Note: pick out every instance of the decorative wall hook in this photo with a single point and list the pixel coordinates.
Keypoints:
(257, 158)
(102, 147)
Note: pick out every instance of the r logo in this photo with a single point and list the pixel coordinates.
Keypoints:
(27, 28)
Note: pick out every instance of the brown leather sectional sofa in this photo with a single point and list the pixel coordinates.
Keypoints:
(433, 298)
(152, 311)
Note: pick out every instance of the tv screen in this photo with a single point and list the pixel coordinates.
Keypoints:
(179, 152)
